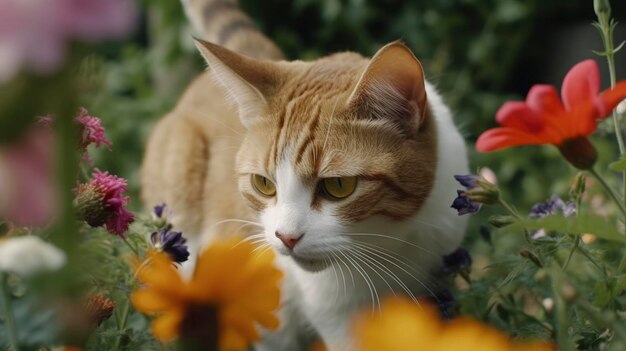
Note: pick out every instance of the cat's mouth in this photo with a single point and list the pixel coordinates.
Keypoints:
(310, 264)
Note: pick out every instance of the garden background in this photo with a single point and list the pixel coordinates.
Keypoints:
(479, 53)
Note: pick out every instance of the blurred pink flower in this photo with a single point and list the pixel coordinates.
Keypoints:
(91, 130)
(27, 192)
(34, 33)
(101, 202)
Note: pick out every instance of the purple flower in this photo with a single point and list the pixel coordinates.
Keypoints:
(457, 261)
(554, 205)
(463, 204)
(101, 201)
(468, 181)
(161, 211)
(172, 243)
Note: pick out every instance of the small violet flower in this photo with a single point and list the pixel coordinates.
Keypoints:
(162, 211)
(554, 205)
(101, 202)
(477, 191)
(172, 243)
(457, 261)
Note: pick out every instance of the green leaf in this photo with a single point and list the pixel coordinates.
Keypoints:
(583, 223)
(619, 165)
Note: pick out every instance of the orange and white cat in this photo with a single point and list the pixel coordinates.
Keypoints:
(343, 165)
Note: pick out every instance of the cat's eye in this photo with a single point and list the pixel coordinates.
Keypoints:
(263, 185)
(338, 188)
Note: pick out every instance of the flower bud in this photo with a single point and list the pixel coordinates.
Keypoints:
(579, 152)
(501, 221)
(532, 257)
(89, 203)
(98, 309)
(485, 193)
(602, 8)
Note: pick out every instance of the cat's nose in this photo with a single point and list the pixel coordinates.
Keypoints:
(290, 240)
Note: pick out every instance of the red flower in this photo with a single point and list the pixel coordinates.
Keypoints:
(101, 202)
(544, 119)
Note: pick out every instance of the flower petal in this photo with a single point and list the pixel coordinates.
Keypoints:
(612, 97)
(516, 114)
(148, 300)
(543, 99)
(582, 82)
(501, 138)
(166, 326)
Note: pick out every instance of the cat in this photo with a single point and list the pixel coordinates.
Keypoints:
(343, 165)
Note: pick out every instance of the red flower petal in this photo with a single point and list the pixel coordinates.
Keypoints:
(612, 97)
(543, 99)
(517, 115)
(500, 138)
(582, 82)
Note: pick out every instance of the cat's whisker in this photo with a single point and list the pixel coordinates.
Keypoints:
(392, 275)
(233, 220)
(366, 261)
(253, 237)
(397, 279)
(334, 253)
(419, 221)
(374, 249)
(343, 277)
(392, 238)
(330, 262)
(262, 249)
(370, 284)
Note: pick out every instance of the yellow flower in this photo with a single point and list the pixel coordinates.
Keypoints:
(404, 326)
(232, 290)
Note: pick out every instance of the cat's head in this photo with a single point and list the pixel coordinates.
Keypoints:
(330, 145)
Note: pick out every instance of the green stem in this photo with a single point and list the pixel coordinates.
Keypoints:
(8, 312)
(606, 32)
(609, 191)
(121, 326)
(133, 249)
(571, 253)
(509, 208)
(562, 336)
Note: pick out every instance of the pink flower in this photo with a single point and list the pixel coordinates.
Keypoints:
(34, 33)
(27, 189)
(92, 131)
(101, 202)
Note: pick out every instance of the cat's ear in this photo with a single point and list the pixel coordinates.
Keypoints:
(248, 82)
(392, 87)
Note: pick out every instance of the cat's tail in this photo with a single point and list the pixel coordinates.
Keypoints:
(223, 23)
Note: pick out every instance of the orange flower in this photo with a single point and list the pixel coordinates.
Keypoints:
(544, 119)
(233, 289)
(404, 326)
